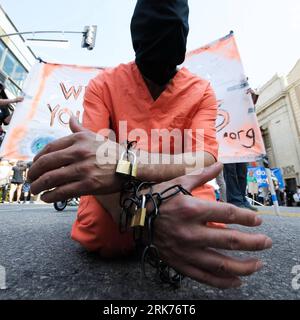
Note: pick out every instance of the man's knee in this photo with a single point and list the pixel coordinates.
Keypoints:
(96, 231)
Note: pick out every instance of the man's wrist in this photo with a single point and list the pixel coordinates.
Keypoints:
(160, 172)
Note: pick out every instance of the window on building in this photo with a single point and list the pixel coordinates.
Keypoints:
(266, 138)
(9, 64)
(9, 85)
(2, 51)
(12, 69)
(19, 75)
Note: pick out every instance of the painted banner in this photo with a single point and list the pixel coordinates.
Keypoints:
(53, 92)
(260, 174)
(239, 135)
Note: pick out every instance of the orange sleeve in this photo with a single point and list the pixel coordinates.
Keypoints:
(205, 119)
(96, 115)
(95, 228)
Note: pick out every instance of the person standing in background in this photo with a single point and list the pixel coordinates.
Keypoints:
(5, 170)
(261, 197)
(277, 189)
(296, 197)
(298, 193)
(235, 175)
(222, 185)
(5, 108)
(2, 135)
(289, 197)
(252, 185)
(17, 181)
(26, 185)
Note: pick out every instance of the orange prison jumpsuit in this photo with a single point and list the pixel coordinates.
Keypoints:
(120, 94)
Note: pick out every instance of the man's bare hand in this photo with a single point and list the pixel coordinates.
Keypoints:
(69, 167)
(190, 246)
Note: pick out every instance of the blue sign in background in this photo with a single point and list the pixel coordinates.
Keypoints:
(278, 174)
(261, 176)
(262, 179)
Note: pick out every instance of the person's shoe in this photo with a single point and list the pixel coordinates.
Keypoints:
(252, 208)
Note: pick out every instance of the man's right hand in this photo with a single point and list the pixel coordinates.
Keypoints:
(189, 245)
(69, 167)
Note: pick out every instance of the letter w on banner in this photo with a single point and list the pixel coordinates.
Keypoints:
(53, 92)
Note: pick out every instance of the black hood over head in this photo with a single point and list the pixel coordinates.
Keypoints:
(159, 31)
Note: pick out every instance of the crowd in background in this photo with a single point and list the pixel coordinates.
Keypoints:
(261, 195)
(14, 186)
(13, 174)
(239, 187)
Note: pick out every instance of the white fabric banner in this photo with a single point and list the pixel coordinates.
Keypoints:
(53, 92)
(239, 134)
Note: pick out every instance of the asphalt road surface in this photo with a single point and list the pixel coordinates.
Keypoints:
(42, 262)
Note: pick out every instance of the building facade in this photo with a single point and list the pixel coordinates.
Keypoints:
(16, 58)
(278, 111)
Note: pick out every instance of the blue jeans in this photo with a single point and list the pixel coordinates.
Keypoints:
(235, 176)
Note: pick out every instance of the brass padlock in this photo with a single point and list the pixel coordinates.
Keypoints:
(124, 166)
(133, 167)
(139, 218)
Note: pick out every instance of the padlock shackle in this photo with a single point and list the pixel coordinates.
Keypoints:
(134, 160)
(131, 145)
(144, 201)
(127, 164)
(128, 154)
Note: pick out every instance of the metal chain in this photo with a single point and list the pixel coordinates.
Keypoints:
(131, 200)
